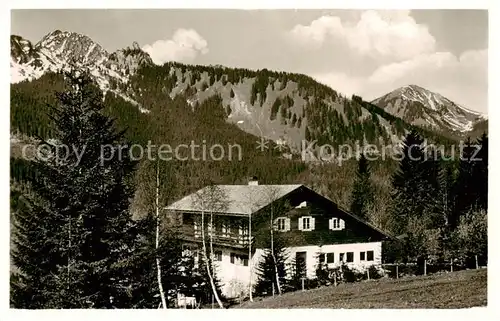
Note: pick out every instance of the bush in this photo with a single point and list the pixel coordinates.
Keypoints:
(375, 273)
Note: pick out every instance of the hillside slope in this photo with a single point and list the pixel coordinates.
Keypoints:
(284, 107)
(461, 289)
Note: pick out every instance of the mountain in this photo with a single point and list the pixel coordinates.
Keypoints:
(177, 104)
(60, 50)
(422, 107)
(284, 107)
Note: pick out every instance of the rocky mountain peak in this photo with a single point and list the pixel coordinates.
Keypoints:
(72, 48)
(420, 106)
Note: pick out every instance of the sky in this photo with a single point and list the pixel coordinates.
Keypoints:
(363, 52)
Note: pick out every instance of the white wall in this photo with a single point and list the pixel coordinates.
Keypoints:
(235, 278)
(312, 252)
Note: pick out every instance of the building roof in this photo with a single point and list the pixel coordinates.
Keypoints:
(232, 199)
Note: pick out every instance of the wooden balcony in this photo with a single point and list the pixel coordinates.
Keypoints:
(225, 239)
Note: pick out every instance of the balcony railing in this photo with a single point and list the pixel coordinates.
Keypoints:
(220, 237)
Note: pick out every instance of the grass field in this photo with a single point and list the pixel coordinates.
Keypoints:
(461, 289)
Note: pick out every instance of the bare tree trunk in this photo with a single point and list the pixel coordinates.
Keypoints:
(250, 261)
(207, 263)
(69, 249)
(272, 254)
(158, 267)
(211, 235)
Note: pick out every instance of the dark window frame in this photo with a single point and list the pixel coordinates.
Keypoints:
(349, 257)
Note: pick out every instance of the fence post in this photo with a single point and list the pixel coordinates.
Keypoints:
(397, 270)
(368, 273)
(273, 287)
(302, 284)
(451, 265)
(425, 267)
(477, 265)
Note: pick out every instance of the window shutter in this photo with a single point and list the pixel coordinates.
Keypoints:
(342, 224)
(301, 223)
(330, 224)
(312, 223)
(287, 224)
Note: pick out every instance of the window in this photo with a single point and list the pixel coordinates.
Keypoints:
(306, 223)
(369, 255)
(322, 258)
(336, 224)
(243, 230)
(226, 229)
(350, 256)
(244, 258)
(330, 257)
(239, 259)
(218, 256)
(362, 256)
(346, 257)
(281, 224)
(197, 230)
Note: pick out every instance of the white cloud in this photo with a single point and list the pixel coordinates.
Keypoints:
(463, 79)
(341, 82)
(385, 35)
(185, 46)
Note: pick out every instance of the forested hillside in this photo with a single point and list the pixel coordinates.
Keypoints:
(218, 105)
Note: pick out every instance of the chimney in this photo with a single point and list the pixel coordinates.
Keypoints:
(253, 181)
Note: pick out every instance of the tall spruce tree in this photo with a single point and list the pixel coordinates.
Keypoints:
(362, 194)
(177, 273)
(445, 196)
(267, 267)
(74, 234)
(471, 186)
(408, 184)
(481, 172)
(414, 205)
(465, 191)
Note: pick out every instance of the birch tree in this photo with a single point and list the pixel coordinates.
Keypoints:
(211, 199)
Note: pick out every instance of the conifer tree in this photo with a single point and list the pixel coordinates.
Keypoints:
(465, 193)
(481, 172)
(176, 271)
(414, 196)
(272, 261)
(362, 194)
(406, 182)
(74, 233)
(445, 196)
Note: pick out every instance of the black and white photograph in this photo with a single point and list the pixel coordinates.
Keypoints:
(196, 158)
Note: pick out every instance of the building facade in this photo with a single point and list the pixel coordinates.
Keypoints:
(239, 221)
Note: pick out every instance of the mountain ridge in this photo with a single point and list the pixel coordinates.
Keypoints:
(284, 107)
(420, 106)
